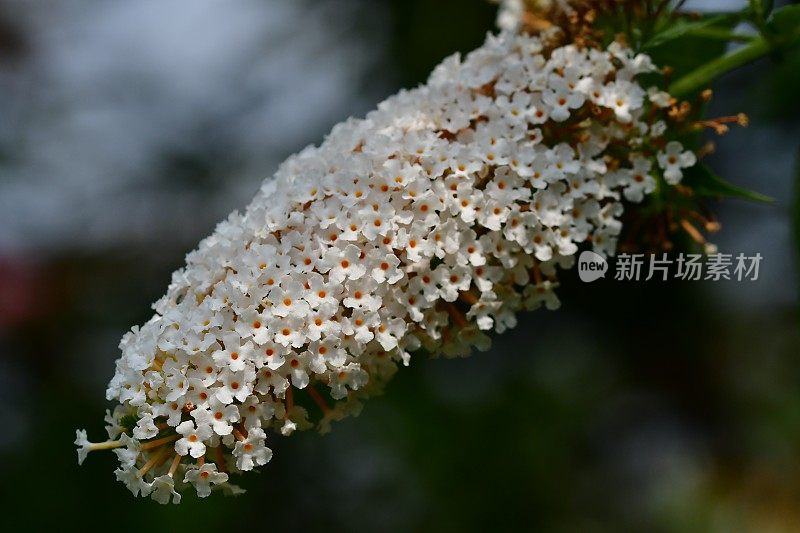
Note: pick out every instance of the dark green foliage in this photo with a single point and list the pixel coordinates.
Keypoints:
(705, 182)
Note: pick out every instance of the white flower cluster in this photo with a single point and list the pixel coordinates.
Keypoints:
(431, 221)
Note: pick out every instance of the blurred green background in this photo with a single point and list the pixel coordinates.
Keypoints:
(130, 127)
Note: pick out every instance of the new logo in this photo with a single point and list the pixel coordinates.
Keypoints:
(591, 266)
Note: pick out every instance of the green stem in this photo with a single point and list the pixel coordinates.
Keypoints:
(722, 35)
(704, 75)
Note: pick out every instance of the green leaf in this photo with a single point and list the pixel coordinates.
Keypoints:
(705, 182)
(785, 22)
(702, 75)
(761, 8)
(685, 49)
(779, 34)
(779, 89)
(683, 27)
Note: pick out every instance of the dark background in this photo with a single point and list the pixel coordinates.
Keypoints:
(129, 128)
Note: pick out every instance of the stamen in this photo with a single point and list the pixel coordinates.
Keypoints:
(706, 150)
(719, 124)
(743, 120)
(710, 225)
(693, 232)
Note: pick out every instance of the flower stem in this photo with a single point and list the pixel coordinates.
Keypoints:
(723, 35)
(318, 399)
(174, 466)
(705, 74)
(158, 442)
(154, 459)
(107, 445)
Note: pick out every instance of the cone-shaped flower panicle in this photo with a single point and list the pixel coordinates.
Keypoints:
(424, 226)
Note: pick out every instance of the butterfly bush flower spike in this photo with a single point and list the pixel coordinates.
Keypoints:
(422, 227)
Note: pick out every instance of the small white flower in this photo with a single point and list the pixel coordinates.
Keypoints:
(251, 451)
(510, 14)
(288, 427)
(163, 490)
(131, 478)
(193, 438)
(218, 415)
(270, 380)
(640, 180)
(659, 98)
(344, 263)
(235, 354)
(561, 99)
(235, 385)
(145, 427)
(623, 97)
(673, 159)
(83, 444)
(288, 300)
(253, 412)
(129, 452)
(202, 478)
(386, 267)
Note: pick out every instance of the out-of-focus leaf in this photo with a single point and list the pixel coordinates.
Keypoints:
(684, 27)
(705, 182)
(685, 51)
(779, 35)
(761, 8)
(780, 86)
(702, 76)
(785, 22)
(796, 214)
